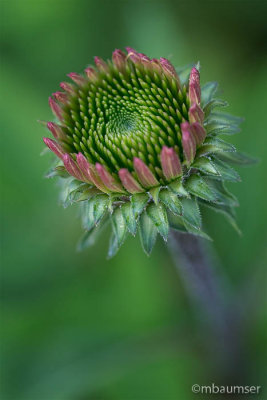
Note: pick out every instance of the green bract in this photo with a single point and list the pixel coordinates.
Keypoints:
(138, 146)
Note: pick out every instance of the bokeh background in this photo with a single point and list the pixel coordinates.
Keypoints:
(74, 325)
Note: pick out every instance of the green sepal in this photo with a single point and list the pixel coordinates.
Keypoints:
(214, 146)
(225, 171)
(90, 237)
(171, 201)
(217, 128)
(154, 192)
(198, 187)
(118, 226)
(86, 194)
(139, 201)
(100, 204)
(180, 224)
(68, 186)
(59, 171)
(191, 213)
(148, 233)
(208, 92)
(196, 231)
(158, 214)
(212, 104)
(205, 165)
(176, 222)
(226, 118)
(184, 73)
(128, 215)
(238, 158)
(228, 212)
(178, 188)
(223, 196)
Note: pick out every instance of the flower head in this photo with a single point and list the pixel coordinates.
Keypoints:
(140, 148)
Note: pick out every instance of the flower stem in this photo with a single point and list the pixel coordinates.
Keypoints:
(208, 294)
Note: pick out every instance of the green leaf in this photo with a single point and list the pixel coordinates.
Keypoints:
(223, 196)
(238, 158)
(155, 193)
(225, 171)
(158, 215)
(171, 201)
(212, 104)
(128, 215)
(178, 188)
(197, 186)
(119, 226)
(208, 92)
(214, 145)
(139, 201)
(205, 165)
(148, 233)
(191, 212)
(227, 211)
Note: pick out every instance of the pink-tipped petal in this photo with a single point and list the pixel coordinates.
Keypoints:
(56, 130)
(119, 59)
(145, 176)
(56, 109)
(78, 79)
(199, 132)
(100, 64)
(194, 86)
(108, 179)
(170, 162)
(61, 97)
(189, 143)
(133, 55)
(55, 147)
(89, 172)
(168, 68)
(91, 73)
(68, 87)
(196, 114)
(128, 181)
(72, 167)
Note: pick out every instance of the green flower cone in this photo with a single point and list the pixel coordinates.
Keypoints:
(137, 146)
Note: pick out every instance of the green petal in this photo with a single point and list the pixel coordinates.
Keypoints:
(158, 214)
(148, 233)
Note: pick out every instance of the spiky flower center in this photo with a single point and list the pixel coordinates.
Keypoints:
(127, 113)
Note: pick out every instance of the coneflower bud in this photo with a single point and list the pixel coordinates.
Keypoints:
(141, 147)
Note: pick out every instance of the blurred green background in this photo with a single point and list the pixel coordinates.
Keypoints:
(75, 326)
